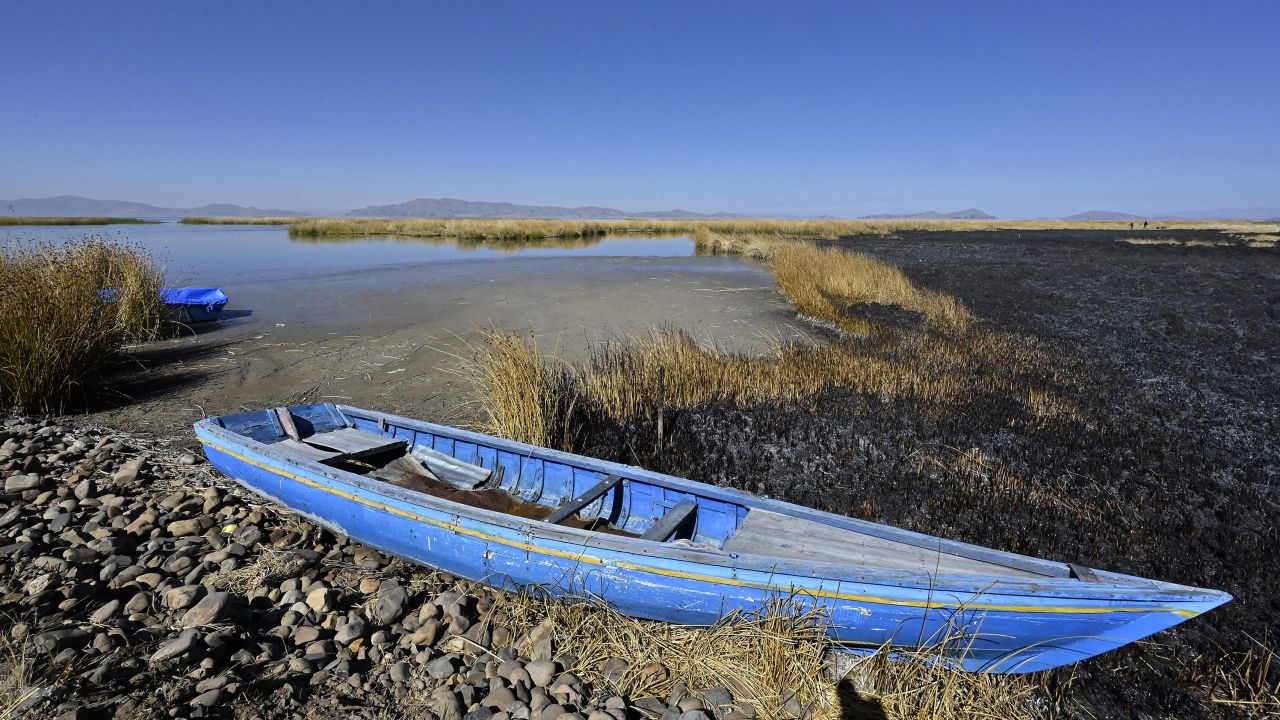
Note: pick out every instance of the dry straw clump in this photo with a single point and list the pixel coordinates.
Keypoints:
(922, 684)
(760, 657)
(56, 326)
(16, 684)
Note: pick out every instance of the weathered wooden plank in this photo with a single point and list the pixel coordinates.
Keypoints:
(307, 452)
(354, 443)
(570, 508)
(671, 522)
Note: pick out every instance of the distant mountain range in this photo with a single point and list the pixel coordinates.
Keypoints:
(1102, 215)
(455, 208)
(970, 214)
(75, 206)
(1257, 213)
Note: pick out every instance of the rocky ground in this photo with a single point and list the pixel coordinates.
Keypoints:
(140, 585)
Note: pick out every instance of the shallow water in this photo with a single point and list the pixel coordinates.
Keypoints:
(222, 254)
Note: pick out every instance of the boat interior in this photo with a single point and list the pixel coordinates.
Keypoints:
(551, 488)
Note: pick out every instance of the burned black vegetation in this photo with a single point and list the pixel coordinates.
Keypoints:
(1168, 468)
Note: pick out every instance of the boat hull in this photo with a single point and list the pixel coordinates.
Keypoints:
(982, 629)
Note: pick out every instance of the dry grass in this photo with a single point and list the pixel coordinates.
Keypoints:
(1247, 680)
(16, 684)
(517, 228)
(13, 220)
(525, 397)
(240, 220)
(760, 657)
(921, 684)
(269, 566)
(56, 330)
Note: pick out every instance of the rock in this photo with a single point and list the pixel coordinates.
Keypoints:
(21, 483)
(614, 669)
(552, 712)
(194, 526)
(717, 699)
(209, 698)
(140, 602)
(541, 672)
(400, 673)
(428, 634)
(389, 605)
(447, 704)
(652, 674)
(442, 667)
(128, 473)
(320, 600)
(105, 613)
(349, 632)
(499, 698)
(176, 647)
(181, 598)
(214, 607)
(55, 641)
(695, 715)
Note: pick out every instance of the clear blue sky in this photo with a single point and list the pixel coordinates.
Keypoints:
(843, 108)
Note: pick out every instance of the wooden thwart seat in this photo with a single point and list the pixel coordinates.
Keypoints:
(570, 508)
(306, 452)
(350, 443)
(669, 523)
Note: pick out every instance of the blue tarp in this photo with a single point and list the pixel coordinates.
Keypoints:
(209, 298)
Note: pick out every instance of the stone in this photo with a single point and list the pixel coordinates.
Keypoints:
(442, 667)
(209, 698)
(349, 632)
(447, 704)
(389, 603)
(21, 483)
(128, 473)
(320, 600)
(105, 613)
(695, 715)
(214, 607)
(400, 673)
(181, 598)
(194, 526)
(56, 641)
(542, 672)
(176, 647)
(614, 669)
(499, 698)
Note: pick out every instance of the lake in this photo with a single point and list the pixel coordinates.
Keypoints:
(200, 255)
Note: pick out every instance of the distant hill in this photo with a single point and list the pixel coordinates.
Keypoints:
(76, 206)
(970, 214)
(1103, 215)
(455, 208)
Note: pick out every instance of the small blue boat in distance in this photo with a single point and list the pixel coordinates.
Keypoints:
(655, 546)
(194, 304)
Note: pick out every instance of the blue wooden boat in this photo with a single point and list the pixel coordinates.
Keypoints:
(655, 546)
(194, 304)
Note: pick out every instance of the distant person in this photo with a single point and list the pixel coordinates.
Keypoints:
(1144, 224)
(1130, 226)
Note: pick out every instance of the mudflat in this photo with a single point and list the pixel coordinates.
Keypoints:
(395, 338)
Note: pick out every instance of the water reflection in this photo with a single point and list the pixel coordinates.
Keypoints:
(220, 254)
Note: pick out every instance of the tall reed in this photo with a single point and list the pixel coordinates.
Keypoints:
(58, 327)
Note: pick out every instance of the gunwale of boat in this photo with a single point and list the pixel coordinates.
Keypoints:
(1107, 586)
